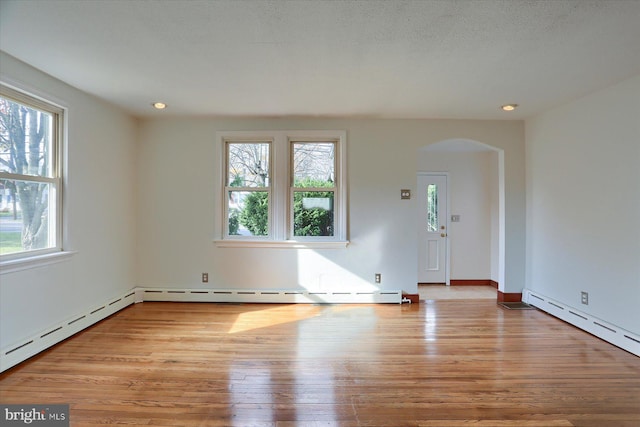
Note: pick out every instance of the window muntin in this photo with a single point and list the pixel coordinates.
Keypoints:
(305, 183)
(30, 181)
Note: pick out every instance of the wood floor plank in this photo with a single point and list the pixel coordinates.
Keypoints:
(441, 363)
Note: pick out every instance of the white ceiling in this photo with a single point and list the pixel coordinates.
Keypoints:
(397, 59)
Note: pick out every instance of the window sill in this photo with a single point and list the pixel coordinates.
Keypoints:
(284, 244)
(26, 263)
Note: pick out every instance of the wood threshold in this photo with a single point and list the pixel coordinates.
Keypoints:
(473, 282)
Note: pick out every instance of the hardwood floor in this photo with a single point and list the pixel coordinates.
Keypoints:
(439, 363)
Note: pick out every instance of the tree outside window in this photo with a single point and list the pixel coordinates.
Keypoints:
(28, 174)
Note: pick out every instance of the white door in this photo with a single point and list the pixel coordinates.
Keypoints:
(432, 228)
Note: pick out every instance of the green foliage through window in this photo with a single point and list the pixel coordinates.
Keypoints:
(313, 209)
(255, 215)
(313, 213)
(314, 218)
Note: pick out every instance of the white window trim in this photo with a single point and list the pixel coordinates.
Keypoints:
(279, 209)
(269, 189)
(34, 261)
(31, 259)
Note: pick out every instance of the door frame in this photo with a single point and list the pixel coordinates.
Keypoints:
(447, 254)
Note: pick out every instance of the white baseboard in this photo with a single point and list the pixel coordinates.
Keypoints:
(24, 349)
(611, 333)
(268, 296)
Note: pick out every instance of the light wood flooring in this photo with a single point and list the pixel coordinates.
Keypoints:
(440, 363)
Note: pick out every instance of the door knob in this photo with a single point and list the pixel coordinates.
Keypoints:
(443, 235)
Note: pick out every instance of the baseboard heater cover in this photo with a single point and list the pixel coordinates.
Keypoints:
(26, 348)
(268, 296)
(613, 334)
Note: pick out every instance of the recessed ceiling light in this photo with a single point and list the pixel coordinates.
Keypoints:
(159, 105)
(509, 107)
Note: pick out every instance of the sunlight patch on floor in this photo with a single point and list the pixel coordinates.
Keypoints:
(279, 315)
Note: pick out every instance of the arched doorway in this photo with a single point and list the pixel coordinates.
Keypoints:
(473, 229)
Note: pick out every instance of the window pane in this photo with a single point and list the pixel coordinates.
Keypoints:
(25, 139)
(314, 164)
(313, 213)
(24, 216)
(248, 164)
(432, 208)
(248, 213)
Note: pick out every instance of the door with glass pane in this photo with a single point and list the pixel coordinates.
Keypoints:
(432, 228)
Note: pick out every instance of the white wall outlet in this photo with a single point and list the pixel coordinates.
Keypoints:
(205, 277)
(584, 297)
(378, 277)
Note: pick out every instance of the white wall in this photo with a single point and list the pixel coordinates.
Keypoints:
(177, 205)
(473, 182)
(99, 203)
(583, 203)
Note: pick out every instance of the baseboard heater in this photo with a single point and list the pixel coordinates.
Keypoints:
(613, 334)
(268, 296)
(24, 349)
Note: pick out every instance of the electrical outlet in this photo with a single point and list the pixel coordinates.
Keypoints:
(405, 194)
(205, 277)
(584, 296)
(378, 277)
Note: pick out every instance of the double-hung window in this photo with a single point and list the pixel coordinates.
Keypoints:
(283, 189)
(313, 188)
(30, 175)
(248, 188)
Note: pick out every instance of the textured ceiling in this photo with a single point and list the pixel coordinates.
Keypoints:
(407, 59)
